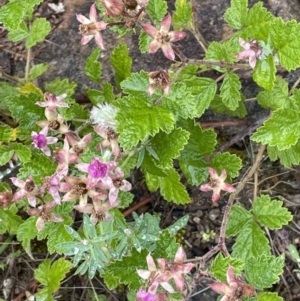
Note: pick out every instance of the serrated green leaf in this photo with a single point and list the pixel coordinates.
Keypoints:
(121, 62)
(183, 15)
(10, 221)
(157, 9)
(51, 275)
(19, 33)
(95, 96)
(149, 165)
(92, 66)
(287, 157)
(230, 162)
(5, 154)
(144, 41)
(125, 198)
(108, 92)
(236, 14)
(220, 264)
(6, 90)
(251, 242)
(180, 101)
(12, 14)
(267, 296)
(264, 73)
(263, 271)
(166, 246)
(237, 219)
(270, 213)
(218, 106)
(285, 38)
(171, 188)
(5, 134)
(124, 271)
(58, 234)
(137, 84)
(22, 151)
(39, 30)
(204, 90)
(288, 121)
(230, 91)
(37, 70)
(60, 86)
(135, 124)
(176, 140)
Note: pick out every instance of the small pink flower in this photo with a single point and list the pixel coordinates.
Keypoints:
(114, 8)
(90, 28)
(159, 80)
(40, 140)
(233, 289)
(176, 268)
(163, 38)
(78, 146)
(110, 139)
(54, 122)
(252, 50)
(52, 102)
(143, 295)
(217, 183)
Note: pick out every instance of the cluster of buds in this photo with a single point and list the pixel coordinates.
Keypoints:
(97, 187)
(169, 269)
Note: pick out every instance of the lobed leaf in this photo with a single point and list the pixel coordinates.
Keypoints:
(183, 15)
(157, 9)
(237, 219)
(236, 14)
(10, 221)
(39, 30)
(92, 66)
(268, 296)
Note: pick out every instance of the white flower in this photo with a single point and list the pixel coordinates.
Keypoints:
(104, 116)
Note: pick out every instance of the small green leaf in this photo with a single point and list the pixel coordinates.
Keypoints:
(270, 213)
(5, 134)
(95, 96)
(220, 265)
(19, 34)
(92, 66)
(22, 151)
(144, 41)
(12, 14)
(230, 91)
(166, 246)
(183, 15)
(37, 71)
(237, 219)
(264, 72)
(137, 84)
(10, 221)
(236, 14)
(125, 198)
(88, 227)
(263, 271)
(39, 30)
(267, 296)
(179, 224)
(5, 154)
(157, 9)
(121, 62)
(60, 86)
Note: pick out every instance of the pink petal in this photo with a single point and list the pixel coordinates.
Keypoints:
(126, 186)
(187, 267)
(179, 282)
(44, 131)
(88, 208)
(144, 274)
(167, 287)
(32, 200)
(150, 263)
(180, 255)
(101, 25)
(51, 140)
(215, 196)
(223, 175)
(150, 30)
(40, 224)
(17, 182)
(213, 173)
(252, 61)
(228, 187)
(82, 19)
(244, 44)
(168, 52)
(176, 35)
(205, 187)
(82, 167)
(154, 46)
(99, 40)
(46, 151)
(166, 23)
(219, 287)
(93, 13)
(86, 39)
(56, 218)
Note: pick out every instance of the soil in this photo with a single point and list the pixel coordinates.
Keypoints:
(66, 57)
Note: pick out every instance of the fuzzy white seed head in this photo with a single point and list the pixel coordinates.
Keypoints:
(104, 116)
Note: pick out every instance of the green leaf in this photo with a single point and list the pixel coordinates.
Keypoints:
(183, 15)
(250, 242)
(125, 198)
(58, 86)
(230, 162)
(121, 62)
(124, 271)
(270, 213)
(264, 73)
(95, 96)
(144, 41)
(5, 154)
(26, 232)
(175, 141)
(179, 224)
(12, 14)
(230, 91)
(237, 219)
(236, 14)
(157, 9)
(6, 90)
(277, 98)
(288, 157)
(22, 151)
(171, 188)
(134, 124)
(267, 296)
(39, 30)
(263, 271)
(51, 275)
(57, 235)
(220, 264)
(180, 101)
(285, 38)
(37, 70)
(166, 246)
(19, 34)
(288, 121)
(137, 84)
(92, 66)
(218, 106)
(10, 221)
(5, 134)
(149, 165)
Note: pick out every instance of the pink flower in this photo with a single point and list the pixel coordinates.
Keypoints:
(52, 102)
(79, 146)
(233, 289)
(110, 139)
(90, 28)
(45, 214)
(155, 277)
(159, 80)
(163, 38)
(217, 183)
(143, 295)
(54, 122)
(176, 268)
(251, 50)
(114, 8)
(40, 140)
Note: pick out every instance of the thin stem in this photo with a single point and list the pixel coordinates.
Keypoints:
(27, 64)
(10, 78)
(220, 64)
(294, 86)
